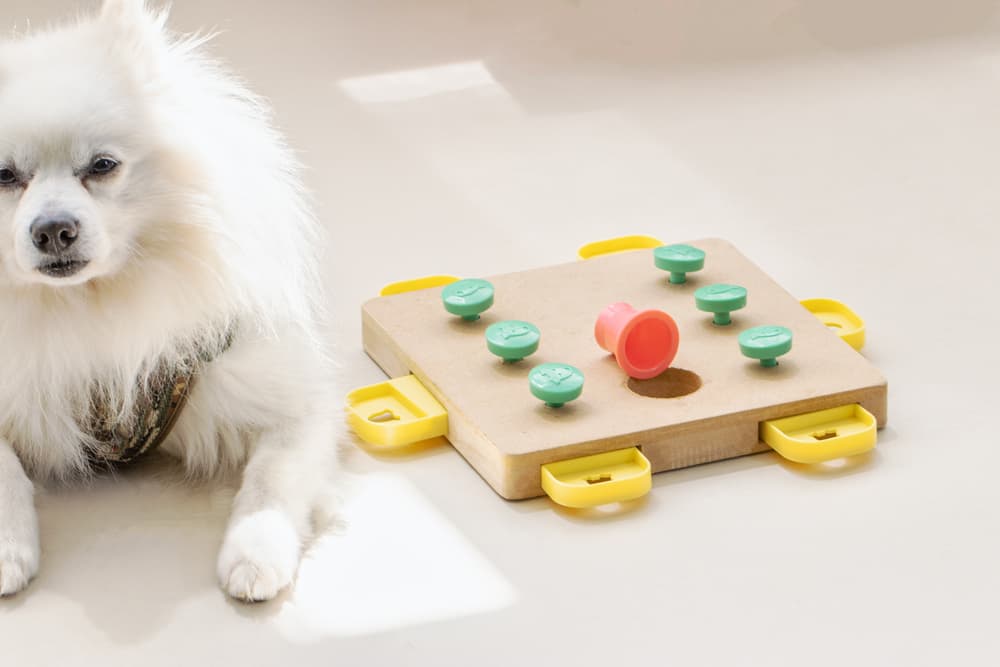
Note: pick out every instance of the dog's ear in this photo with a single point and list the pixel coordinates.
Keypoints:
(124, 12)
(138, 30)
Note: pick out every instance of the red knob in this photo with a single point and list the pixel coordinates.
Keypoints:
(644, 342)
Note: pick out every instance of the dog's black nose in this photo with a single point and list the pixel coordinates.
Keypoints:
(53, 235)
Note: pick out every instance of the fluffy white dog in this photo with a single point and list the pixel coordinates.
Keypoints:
(157, 287)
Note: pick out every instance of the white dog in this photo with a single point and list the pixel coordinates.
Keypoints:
(157, 287)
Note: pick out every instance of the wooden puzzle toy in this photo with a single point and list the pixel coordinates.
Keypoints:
(666, 386)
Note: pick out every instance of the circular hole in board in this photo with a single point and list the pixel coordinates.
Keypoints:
(672, 383)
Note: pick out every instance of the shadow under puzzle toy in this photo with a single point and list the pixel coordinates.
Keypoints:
(694, 331)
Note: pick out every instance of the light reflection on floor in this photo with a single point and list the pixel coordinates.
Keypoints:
(399, 563)
(418, 83)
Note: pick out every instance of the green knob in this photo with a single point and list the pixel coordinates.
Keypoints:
(720, 300)
(512, 340)
(467, 298)
(556, 384)
(679, 260)
(766, 344)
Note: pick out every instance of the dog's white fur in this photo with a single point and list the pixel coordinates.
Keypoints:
(201, 230)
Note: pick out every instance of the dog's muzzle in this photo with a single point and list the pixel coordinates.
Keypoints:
(54, 237)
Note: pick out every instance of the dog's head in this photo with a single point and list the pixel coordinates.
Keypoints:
(78, 166)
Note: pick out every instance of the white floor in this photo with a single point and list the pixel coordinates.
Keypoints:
(850, 148)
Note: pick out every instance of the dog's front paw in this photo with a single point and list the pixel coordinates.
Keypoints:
(259, 556)
(18, 561)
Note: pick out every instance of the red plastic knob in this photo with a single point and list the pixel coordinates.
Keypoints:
(644, 342)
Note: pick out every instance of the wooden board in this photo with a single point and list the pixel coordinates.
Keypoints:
(506, 434)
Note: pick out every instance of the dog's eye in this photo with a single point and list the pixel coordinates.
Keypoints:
(102, 166)
(8, 177)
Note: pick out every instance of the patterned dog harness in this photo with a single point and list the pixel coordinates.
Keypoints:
(156, 411)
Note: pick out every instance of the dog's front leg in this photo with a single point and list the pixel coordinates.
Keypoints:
(19, 549)
(285, 476)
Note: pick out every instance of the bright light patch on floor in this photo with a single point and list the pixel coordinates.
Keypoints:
(418, 83)
(397, 563)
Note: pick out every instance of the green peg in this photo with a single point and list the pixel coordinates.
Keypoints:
(512, 340)
(720, 300)
(679, 260)
(766, 344)
(556, 384)
(468, 298)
